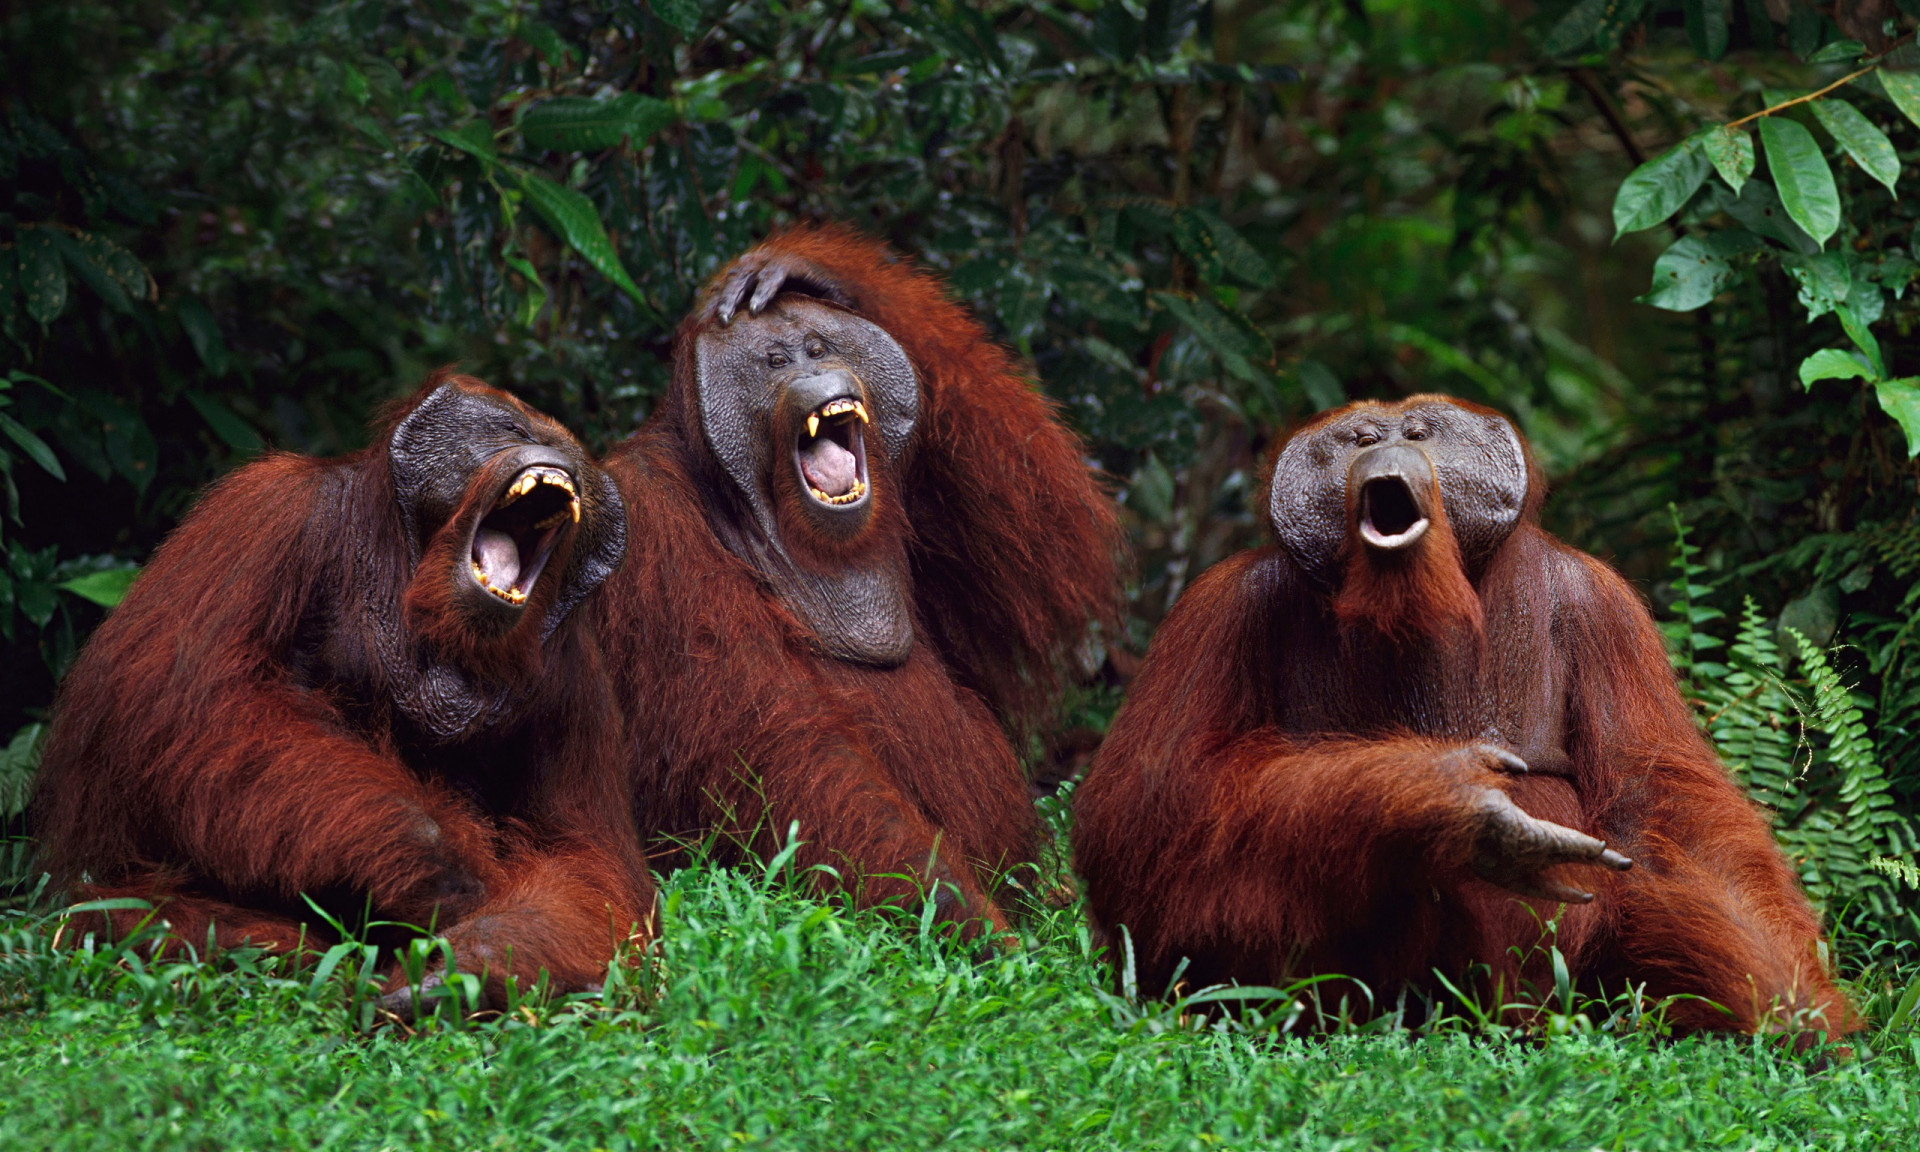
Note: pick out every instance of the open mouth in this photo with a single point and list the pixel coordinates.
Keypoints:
(1389, 516)
(512, 542)
(832, 453)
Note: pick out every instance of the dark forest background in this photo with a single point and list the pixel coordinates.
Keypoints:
(226, 226)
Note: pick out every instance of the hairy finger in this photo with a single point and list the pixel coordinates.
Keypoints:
(732, 292)
(1500, 759)
(772, 278)
(1542, 887)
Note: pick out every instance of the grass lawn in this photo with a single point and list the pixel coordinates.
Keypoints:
(783, 1022)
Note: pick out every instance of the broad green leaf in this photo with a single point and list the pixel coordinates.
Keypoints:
(237, 433)
(1320, 384)
(543, 39)
(1687, 275)
(42, 279)
(1023, 302)
(578, 124)
(1217, 250)
(83, 269)
(1659, 188)
(536, 297)
(106, 587)
(32, 445)
(683, 16)
(1832, 364)
(36, 601)
(130, 446)
(1863, 141)
(1694, 269)
(1731, 153)
(1758, 208)
(1864, 300)
(204, 333)
(1857, 331)
(1896, 272)
(1825, 280)
(114, 274)
(1239, 345)
(1903, 88)
(572, 215)
(1838, 50)
(1706, 26)
(1150, 490)
(1098, 291)
(1900, 399)
(475, 138)
(1575, 30)
(1800, 172)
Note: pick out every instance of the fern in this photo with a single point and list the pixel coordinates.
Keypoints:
(1900, 868)
(1802, 747)
(1685, 641)
(1858, 821)
(1753, 719)
(18, 762)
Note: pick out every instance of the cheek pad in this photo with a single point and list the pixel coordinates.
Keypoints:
(1477, 457)
(737, 396)
(1483, 478)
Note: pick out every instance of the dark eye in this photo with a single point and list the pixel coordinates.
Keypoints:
(1366, 439)
(509, 428)
(778, 359)
(815, 349)
(1416, 433)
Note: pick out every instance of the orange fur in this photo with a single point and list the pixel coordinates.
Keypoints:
(231, 740)
(1275, 798)
(897, 777)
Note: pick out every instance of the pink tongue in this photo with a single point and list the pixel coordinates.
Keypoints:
(830, 468)
(497, 556)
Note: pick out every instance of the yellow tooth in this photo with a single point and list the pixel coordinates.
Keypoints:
(576, 509)
(813, 424)
(860, 410)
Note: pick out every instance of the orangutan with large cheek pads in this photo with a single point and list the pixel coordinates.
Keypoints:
(873, 550)
(367, 682)
(1399, 740)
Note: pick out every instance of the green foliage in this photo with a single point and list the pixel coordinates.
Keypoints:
(226, 227)
(1800, 744)
(780, 1021)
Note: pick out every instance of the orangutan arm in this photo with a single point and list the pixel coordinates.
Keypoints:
(1200, 822)
(181, 737)
(1714, 910)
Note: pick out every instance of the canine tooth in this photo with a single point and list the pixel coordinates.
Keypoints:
(575, 508)
(813, 424)
(860, 410)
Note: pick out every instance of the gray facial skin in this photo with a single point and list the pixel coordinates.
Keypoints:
(776, 397)
(1476, 456)
(442, 448)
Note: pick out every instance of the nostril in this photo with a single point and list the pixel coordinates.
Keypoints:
(1388, 507)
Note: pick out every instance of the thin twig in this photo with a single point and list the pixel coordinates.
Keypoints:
(1843, 81)
(1873, 65)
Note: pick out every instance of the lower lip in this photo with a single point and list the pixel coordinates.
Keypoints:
(1399, 540)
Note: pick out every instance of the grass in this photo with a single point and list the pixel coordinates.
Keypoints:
(776, 1020)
